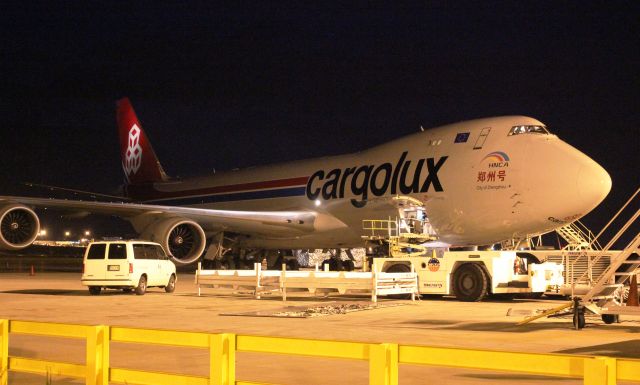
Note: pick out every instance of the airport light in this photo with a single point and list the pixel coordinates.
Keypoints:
(67, 233)
(42, 233)
(87, 233)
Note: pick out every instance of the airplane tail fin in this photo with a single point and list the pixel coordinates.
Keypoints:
(139, 161)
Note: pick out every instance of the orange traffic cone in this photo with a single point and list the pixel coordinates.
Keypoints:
(632, 300)
(33, 271)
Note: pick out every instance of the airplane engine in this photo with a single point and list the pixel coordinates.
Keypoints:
(183, 239)
(19, 227)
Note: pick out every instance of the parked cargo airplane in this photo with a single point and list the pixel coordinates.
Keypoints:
(479, 182)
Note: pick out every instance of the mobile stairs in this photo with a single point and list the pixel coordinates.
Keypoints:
(578, 237)
(604, 297)
(581, 257)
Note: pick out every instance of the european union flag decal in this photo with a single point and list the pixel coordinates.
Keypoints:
(462, 137)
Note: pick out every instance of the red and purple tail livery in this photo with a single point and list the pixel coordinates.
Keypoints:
(139, 161)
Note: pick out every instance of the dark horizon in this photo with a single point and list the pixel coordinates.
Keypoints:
(220, 87)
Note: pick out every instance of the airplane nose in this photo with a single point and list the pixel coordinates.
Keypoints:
(593, 183)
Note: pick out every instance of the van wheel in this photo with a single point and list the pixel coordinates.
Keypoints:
(171, 286)
(142, 286)
(94, 290)
(470, 283)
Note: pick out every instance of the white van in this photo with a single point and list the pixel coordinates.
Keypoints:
(127, 265)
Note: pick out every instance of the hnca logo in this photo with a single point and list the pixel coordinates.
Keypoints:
(497, 159)
(133, 154)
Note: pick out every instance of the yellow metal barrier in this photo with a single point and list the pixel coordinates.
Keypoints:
(4, 351)
(384, 359)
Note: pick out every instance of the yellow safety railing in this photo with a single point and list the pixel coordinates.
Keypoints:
(384, 359)
(380, 227)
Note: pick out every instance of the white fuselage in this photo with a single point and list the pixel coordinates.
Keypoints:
(479, 185)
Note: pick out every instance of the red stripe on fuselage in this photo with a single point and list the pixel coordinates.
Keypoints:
(149, 191)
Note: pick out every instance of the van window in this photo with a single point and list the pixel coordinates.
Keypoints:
(143, 251)
(117, 251)
(159, 252)
(139, 252)
(96, 251)
(152, 252)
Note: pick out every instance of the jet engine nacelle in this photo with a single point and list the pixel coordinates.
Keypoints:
(19, 227)
(183, 239)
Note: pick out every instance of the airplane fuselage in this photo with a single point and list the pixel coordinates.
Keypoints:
(480, 182)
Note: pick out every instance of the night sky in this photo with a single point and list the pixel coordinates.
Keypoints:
(219, 86)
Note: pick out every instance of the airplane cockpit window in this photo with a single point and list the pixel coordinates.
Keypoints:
(528, 129)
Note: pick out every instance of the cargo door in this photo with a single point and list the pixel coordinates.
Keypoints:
(94, 263)
(117, 266)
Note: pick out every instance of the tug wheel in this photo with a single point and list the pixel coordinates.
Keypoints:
(399, 268)
(470, 283)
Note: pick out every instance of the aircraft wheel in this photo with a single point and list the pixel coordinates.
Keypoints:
(171, 286)
(334, 264)
(142, 286)
(94, 290)
(470, 283)
(610, 318)
(349, 265)
(292, 264)
(578, 320)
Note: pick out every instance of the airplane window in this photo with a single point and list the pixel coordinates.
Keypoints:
(530, 129)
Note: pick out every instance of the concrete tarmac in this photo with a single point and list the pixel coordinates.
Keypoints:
(442, 322)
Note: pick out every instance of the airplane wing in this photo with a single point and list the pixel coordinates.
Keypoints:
(265, 223)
